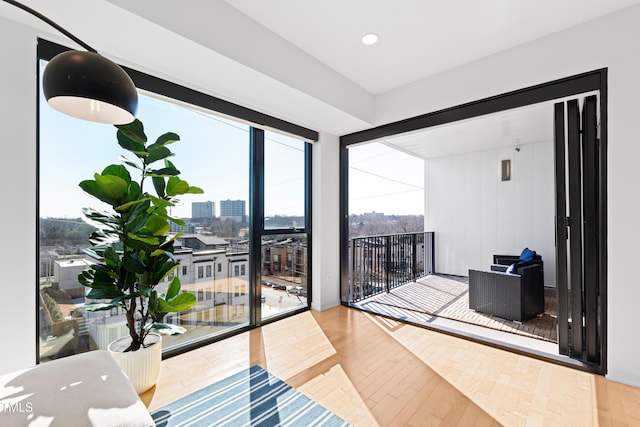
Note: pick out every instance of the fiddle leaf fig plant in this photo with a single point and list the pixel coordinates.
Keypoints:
(133, 239)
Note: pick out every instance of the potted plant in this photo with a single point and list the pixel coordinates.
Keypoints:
(136, 250)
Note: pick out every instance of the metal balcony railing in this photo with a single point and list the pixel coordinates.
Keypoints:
(378, 264)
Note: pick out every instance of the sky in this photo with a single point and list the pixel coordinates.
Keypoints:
(382, 179)
(213, 153)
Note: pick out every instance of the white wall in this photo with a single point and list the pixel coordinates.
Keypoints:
(475, 214)
(326, 225)
(607, 42)
(18, 213)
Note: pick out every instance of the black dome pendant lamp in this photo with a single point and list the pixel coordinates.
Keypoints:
(86, 85)
(90, 87)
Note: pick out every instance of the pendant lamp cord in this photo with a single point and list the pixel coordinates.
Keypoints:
(50, 22)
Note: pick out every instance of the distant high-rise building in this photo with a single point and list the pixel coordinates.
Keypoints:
(203, 209)
(189, 228)
(233, 209)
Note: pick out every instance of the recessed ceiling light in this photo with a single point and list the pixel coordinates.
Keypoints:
(370, 39)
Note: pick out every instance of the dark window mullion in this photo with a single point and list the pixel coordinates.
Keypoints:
(307, 218)
(256, 222)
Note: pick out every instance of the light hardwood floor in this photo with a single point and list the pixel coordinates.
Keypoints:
(373, 371)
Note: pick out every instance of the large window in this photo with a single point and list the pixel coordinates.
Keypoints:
(284, 245)
(284, 182)
(284, 273)
(215, 252)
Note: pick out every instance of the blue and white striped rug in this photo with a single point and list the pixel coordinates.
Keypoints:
(252, 397)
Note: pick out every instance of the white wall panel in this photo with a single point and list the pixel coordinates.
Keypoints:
(505, 206)
(489, 176)
(473, 213)
(523, 177)
(443, 239)
(458, 212)
(544, 225)
(479, 215)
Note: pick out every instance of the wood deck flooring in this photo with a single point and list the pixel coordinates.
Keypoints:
(373, 371)
(448, 297)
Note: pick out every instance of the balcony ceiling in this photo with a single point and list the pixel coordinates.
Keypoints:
(509, 129)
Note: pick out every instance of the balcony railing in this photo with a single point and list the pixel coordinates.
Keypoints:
(378, 264)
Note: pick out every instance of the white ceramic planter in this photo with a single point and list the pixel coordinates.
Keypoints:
(142, 366)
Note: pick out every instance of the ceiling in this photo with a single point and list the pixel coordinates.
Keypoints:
(301, 60)
(417, 38)
(508, 129)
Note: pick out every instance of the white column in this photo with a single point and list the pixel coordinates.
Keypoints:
(326, 225)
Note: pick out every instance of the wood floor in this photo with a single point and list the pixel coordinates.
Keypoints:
(373, 371)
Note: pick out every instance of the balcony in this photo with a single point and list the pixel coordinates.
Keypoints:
(394, 275)
(378, 264)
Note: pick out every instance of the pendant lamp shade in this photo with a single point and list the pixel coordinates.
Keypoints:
(89, 86)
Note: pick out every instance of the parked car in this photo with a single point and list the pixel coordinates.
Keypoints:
(297, 290)
(279, 286)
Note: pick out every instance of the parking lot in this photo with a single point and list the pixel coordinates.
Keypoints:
(277, 299)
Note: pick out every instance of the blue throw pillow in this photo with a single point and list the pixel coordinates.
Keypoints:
(527, 255)
(513, 268)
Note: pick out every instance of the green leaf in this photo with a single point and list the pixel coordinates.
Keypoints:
(128, 205)
(99, 306)
(195, 190)
(103, 293)
(90, 187)
(107, 188)
(111, 256)
(134, 192)
(181, 302)
(127, 161)
(159, 185)
(178, 221)
(158, 153)
(132, 262)
(174, 288)
(161, 203)
(157, 225)
(175, 236)
(176, 186)
(131, 137)
(167, 138)
(148, 240)
(119, 171)
(163, 172)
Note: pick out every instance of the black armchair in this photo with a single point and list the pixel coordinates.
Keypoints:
(502, 262)
(515, 296)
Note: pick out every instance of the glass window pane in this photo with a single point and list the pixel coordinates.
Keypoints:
(213, 153)
(284, 183)
(284, 273)
(213, 252)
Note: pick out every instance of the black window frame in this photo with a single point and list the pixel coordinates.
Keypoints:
(46, 50)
